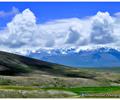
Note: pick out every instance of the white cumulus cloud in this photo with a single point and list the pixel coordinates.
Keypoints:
(102, 28)
(24, 35)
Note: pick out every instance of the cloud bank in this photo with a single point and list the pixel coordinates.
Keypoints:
(22, 35)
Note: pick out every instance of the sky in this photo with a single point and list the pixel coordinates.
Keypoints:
(30, 27)
(46, 11)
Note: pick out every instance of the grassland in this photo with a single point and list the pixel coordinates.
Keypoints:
(22, 77)
(48, 86)
(78, 92)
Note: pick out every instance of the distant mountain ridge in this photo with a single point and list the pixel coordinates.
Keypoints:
(100, 57)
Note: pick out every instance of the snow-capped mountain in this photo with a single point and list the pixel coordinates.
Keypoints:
(99, 57)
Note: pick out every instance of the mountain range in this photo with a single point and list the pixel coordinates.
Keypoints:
(100, 57)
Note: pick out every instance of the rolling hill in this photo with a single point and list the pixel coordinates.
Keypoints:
(12, 64)
(16, 65)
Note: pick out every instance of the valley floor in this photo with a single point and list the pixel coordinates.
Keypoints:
(48, 86)
(78, 92)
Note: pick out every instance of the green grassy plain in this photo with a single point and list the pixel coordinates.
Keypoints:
(78, 92)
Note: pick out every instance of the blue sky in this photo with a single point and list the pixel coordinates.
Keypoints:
(46, 11)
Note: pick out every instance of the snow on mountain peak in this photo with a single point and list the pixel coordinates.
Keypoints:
(64, 51)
